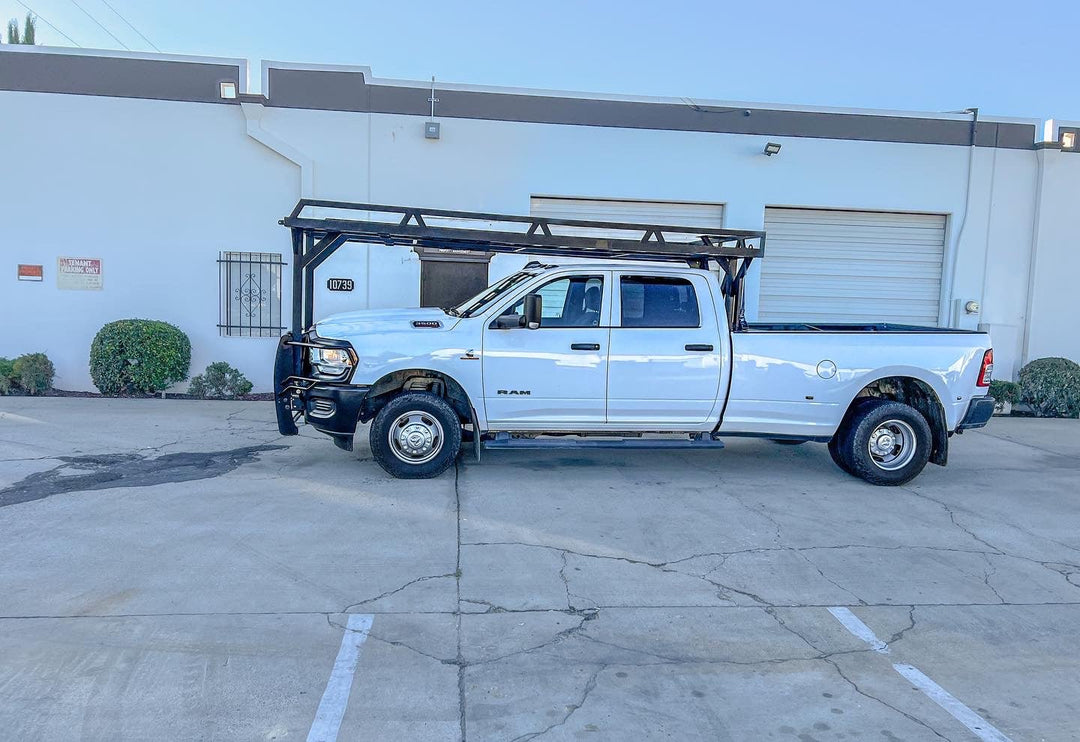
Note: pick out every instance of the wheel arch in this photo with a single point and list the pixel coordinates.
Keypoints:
(915, 392)
(418, 379)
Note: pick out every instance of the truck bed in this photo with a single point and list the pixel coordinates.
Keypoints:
(876, 327)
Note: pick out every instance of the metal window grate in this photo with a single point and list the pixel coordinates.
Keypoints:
(249, 284)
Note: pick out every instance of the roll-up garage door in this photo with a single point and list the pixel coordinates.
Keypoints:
(851, 266)
(674, 213)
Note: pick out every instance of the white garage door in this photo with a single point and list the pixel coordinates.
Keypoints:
(674, 213)
(851, 266)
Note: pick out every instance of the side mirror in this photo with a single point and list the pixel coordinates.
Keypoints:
(534, 303)
(508, 321)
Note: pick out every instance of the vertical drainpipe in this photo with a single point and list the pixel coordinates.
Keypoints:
(1033, 256)
(951, 298)
(253, 113)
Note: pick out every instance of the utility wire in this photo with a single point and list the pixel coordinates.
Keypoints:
(95, 20)
(46, 22)
(132, 27)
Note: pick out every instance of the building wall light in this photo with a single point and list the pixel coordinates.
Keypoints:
(227, 90)
(771, 149)
(1068, 139)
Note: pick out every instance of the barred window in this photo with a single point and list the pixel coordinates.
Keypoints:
(250, 290)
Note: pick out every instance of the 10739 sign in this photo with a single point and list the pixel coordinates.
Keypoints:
(340, 284)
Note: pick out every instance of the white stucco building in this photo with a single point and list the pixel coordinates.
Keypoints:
(155, 171)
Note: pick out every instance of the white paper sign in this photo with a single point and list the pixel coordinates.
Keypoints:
(80, 274)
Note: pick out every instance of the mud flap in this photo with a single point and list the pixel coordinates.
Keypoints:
(284, 363)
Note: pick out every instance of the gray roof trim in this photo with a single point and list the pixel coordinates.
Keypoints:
(336, 90)
(120, 76)
(163, 77)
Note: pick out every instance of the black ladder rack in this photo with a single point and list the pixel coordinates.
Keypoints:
(316, 237)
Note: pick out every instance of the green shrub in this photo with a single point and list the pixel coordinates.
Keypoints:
(34, 373)
(130, 356)
(1051, 387)
(219, 381)
(7, 376)
(1005, 391)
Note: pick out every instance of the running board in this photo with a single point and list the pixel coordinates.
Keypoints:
(503, 440)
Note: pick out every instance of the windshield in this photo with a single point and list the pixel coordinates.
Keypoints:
(477, 303)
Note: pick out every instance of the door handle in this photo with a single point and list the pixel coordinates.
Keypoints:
(702, 347)
(584, 346)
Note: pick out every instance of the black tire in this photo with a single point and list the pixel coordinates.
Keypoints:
(788, 441)
(838, 455)
(904, 437)
(415, 435)
(836, 447)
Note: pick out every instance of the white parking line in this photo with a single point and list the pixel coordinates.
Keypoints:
(336, 696)
(852, 623)
(977, 725)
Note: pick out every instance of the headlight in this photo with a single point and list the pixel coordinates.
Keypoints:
(333, 363)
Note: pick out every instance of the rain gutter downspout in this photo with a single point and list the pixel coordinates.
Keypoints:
(253, 113)
(963, 219)
(1033, 256)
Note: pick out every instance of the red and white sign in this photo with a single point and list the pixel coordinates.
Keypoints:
(31, 272)
(80, 274)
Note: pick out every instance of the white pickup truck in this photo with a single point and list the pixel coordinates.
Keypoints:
(629, 354)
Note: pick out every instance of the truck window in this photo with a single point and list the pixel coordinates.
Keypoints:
(571, 301)
(469, 307)
(658, 301)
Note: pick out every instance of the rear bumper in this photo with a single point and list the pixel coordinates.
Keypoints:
(979, 412)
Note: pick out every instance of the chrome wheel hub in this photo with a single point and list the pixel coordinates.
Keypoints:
(416, 437)
(892, 445)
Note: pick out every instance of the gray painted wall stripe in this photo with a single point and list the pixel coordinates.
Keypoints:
(348, 91)
(115, 76)
(333, 90)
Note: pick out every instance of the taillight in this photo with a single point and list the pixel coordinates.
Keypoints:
(987, 369)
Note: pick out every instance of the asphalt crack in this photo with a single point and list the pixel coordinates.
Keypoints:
(460, 658)
(396, 590)
(571, 709)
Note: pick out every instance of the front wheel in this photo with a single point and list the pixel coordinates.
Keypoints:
(415, 435)
(885, 442)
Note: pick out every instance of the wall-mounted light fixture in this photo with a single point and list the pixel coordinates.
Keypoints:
(771, 148)
(227, 90)
(1069, 139)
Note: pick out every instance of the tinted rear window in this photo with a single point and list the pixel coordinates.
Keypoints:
(658, 301)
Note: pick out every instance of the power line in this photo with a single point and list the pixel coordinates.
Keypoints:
(95, 20)
(46, 22)
(132, 27)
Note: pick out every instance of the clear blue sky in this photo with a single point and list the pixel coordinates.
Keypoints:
(1006, 58)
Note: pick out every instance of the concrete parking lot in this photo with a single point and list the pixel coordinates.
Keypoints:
(176, 570)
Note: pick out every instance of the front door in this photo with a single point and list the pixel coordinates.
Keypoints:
(554, 376)
(665, 357)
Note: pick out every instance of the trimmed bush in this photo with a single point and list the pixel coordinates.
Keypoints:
(1005, 391)
(7, 376)
(219, 381)
(34, 373)
(1051, 387)
(132, 356)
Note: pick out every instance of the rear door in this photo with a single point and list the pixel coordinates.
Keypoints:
(555, 376)
(665, 358)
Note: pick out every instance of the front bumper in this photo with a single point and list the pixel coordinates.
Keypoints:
(329, 407)
(979, 412)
